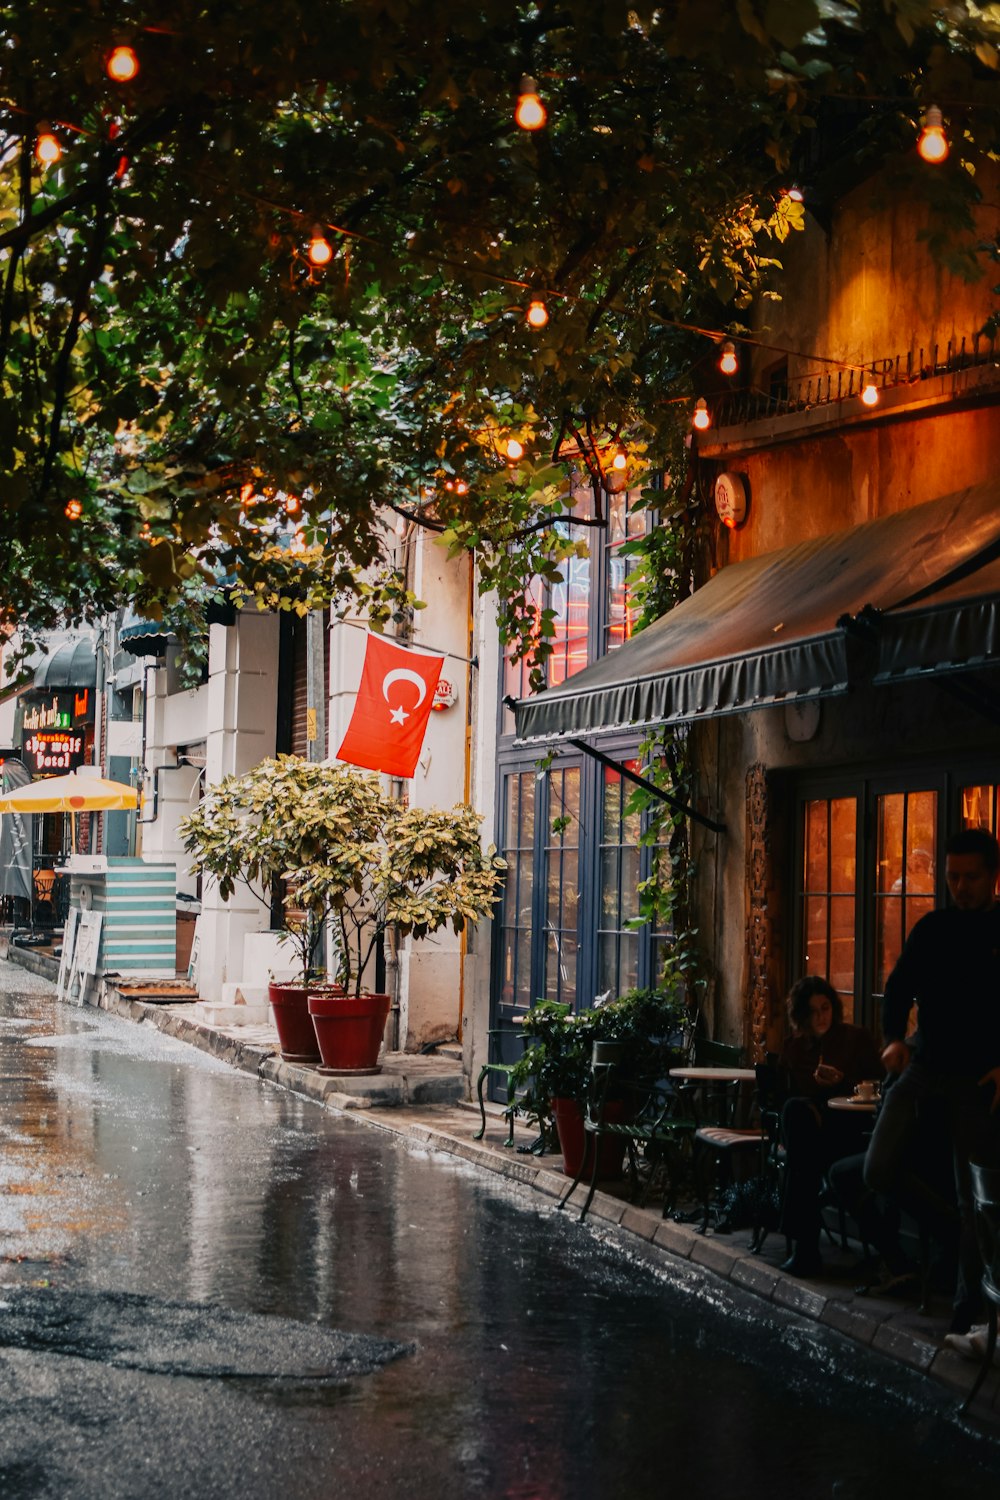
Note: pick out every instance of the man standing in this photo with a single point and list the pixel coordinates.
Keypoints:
(949, 1072)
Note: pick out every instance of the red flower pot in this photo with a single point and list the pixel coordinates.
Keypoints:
(349, 1030)
(289, 1006)
(576, 1145)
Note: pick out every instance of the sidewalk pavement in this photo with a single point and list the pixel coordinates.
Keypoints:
(423, 1099)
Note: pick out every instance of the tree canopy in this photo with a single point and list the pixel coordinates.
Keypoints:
(188, 398)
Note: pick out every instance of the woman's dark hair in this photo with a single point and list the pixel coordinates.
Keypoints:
(799, 996)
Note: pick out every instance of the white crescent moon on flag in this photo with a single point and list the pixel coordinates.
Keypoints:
(403, 674)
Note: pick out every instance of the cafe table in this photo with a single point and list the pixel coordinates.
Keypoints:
(851, 1105)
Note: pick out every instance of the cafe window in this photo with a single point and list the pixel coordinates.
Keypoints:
(870, 863)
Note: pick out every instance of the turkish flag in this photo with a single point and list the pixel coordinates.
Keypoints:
(393, 705)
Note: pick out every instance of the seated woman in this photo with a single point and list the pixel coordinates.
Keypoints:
(823, 1057)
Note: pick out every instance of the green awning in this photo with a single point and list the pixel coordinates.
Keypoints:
(804, 622)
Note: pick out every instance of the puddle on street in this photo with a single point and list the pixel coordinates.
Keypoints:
(546, 1363)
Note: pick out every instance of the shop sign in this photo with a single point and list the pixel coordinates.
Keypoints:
(55, 715)
(49, 752)
(445, 694)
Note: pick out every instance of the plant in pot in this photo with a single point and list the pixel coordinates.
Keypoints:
(260, 829)
(646, 1027)
(417, 869)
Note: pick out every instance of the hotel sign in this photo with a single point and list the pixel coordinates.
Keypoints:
(49, 752)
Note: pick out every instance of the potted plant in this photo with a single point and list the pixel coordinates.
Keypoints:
(416, 868)
(644, 1026)
(257, 831)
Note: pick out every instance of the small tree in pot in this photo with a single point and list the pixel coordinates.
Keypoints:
(418, 869)
(262, 827)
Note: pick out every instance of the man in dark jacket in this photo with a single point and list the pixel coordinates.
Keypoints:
(949, 1073)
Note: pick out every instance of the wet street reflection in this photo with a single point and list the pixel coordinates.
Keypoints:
(537, 1360)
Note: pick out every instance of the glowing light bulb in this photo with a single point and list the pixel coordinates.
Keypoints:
(729, 364)
(461, 487)
(933, 143)
(620, 460)
(537, 314)
(869, 394)
(74, 509)
(122, 65)
(292, 506)
(795, 193)
(515, 450)
(702, 417)
(530, 112)
(47, 148)
(320, 250)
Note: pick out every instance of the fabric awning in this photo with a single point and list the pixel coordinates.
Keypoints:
(141, 637)
(71, 665)
(956, 628)
(768, 630)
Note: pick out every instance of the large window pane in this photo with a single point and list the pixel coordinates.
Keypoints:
(519, 833)
(828, 891)
(624, 524)
(906, 846)
(562, 885)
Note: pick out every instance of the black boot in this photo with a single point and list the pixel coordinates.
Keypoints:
(805, 1259)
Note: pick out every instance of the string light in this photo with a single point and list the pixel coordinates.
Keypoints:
(701, 419)
(530, 112)
(514, 450)
(320, 250)
(620, 460)
(729, 364)
(122, 65)
(933, 143)
(74, 509)
(538, 314)
(869, 394)
(47, 147)
(795, 193)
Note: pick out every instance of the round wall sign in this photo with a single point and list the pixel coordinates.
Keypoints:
(731, 499)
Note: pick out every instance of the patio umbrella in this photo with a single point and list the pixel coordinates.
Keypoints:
(73, 793)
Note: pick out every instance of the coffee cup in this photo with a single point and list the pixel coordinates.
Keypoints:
(867, 1090)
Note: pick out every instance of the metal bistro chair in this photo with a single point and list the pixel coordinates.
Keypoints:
(652, 1123)
(986, 1207)
(502, 1070)
(721, 1141)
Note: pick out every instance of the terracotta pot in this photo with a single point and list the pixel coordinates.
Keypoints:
(290, 1008)
(576, 1144)
(348, 1029)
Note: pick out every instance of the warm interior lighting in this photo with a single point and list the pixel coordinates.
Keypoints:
(728, 364)
(74, 509)
(530, 112)
(47, 148)
(869, 394)
(122, 65)
(537, 314)
(701, 418)
(515, 450)
(933, 143)
(320, 250)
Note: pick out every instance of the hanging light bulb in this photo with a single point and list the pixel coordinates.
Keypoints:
(122, 65)
(74, 509)
(538, 314)
(530, 112)
(620, 460)
(514, 450)
(729, 364)
(869, 393)
(461, 487)
(320, 250)
(702, 417)
(795, 193)
(933, 143)
(47, 147)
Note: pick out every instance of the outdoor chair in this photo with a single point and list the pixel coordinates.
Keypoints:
(733, 1134)
(653, 1124)
(500, 1070)
(986, 1207)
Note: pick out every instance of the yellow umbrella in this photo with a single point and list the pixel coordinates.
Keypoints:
(73, 794)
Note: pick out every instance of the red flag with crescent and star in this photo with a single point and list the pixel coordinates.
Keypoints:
(393, 705)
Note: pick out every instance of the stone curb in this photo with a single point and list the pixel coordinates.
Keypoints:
(868, 1321)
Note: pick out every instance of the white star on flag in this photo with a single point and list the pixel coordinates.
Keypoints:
(398, 715)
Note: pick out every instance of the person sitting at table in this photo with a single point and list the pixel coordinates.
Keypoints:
(824, 1057)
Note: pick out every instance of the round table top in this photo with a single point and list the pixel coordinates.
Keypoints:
(715, 1075)
(852, 1102)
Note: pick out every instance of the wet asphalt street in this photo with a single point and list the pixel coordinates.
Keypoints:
(211, 1288)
